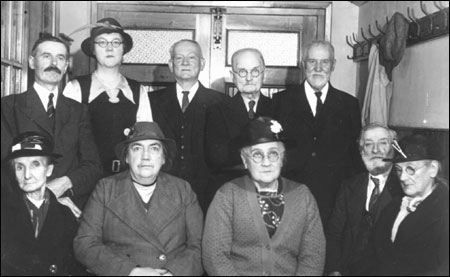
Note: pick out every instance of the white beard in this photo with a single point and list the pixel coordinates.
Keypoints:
(376, 166)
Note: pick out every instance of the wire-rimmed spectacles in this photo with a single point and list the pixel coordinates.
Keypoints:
(258, 156)
(103, 43)
(243, 73)
(410, 170)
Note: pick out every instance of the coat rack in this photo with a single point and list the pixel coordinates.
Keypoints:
(420, 30)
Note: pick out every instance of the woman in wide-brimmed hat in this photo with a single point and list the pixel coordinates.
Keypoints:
(412, 234)
(115, 102)
(142, 221)
(263, 224)
(37, 231)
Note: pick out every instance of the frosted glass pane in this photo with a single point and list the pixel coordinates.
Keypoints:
(278, 49)
(152, 46)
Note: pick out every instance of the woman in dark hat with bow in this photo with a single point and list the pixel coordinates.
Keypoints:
(142, 221)
(115, 102)
(263, 224)
(412, 235)
(36, 231)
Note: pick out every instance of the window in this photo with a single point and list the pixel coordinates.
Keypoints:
(14, 46)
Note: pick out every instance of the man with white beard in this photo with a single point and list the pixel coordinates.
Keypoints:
(360, 202)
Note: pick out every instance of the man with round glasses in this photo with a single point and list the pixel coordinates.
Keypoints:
(227, 119)
(262, 224)
(115, 102)
(412, 235)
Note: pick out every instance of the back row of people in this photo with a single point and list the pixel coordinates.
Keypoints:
(204, 124)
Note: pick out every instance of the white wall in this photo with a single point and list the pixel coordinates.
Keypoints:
(344, 21)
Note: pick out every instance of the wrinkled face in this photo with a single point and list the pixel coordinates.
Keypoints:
(187, 62)
(376, 146)
(49, 62)
(145, 158)
(318, 66)
(248, 61)
(109, 56)
(417, 177)
(264, 162)
(32, 172)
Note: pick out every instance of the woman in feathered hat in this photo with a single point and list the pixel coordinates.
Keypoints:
(263, 224)
(115, 102)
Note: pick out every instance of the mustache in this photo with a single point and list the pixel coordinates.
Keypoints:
(53, 68)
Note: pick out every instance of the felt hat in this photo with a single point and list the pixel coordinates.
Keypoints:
(31, 144)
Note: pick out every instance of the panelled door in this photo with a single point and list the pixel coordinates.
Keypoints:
(278, 32)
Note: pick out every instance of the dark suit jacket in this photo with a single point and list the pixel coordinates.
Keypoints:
(225, 123)
(345, 223)
(23, 254)
(72, 137)
(326, 151)
(421, 246)
(188, 131)
(116, 234)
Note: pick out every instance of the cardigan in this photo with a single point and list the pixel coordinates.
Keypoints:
(236, 241)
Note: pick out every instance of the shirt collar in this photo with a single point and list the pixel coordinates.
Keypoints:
(43, 94)
(246, 101)
(191, 94)
(310, 91)
(97, 88)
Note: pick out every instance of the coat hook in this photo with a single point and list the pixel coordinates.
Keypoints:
(422, 7)
(439, 7)
(351, 45)
(364, 37)
(370, 33)
(414, 19)
(378, 27)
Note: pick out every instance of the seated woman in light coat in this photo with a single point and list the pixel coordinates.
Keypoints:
(142, 222)
(263, 224)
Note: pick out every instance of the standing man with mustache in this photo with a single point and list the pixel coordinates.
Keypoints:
(42, 108)
(360, 202)
(325, 122)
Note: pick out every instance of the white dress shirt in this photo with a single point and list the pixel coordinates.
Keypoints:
(312, 98)
(371, 186)
(191, 94)
(43, 94)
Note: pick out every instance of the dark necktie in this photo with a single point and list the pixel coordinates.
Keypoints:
(319, 102)
(185, 101)
(375, 192)
(50, 107)
(251, 112)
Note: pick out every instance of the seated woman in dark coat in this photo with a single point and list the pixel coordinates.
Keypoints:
(412, 235)
(36, 231)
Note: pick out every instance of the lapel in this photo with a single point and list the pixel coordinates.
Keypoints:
(391, 189)
(332, 103)
(237, 108)
(169, 108)
(33, 109)
(22, 219)
(357, 202)
(128, 207)
(427, 213)
(264, 107)
(302, 107)
(62, 115)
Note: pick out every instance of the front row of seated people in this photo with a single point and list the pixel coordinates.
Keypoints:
(145, 222)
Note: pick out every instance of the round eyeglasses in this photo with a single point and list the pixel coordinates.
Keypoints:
(243, 73)
(409, 170)
(104, 43)
(258, 156)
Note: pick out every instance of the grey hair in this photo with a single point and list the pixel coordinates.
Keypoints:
(318, 43)
(172, 48)
(243, 50)
(371, 126)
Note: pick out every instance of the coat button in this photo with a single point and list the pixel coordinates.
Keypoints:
(53, 269)
(162, 257)
(313, 154)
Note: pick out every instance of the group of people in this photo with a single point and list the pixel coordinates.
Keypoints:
(106, 178)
